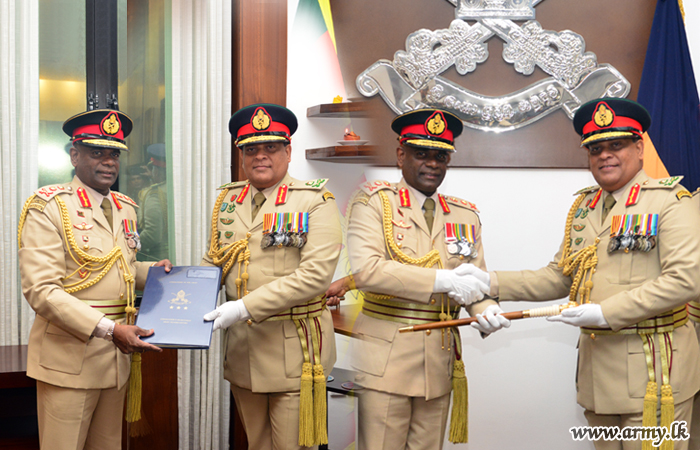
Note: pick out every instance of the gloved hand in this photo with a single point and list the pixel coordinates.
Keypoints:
(491, 320)
(471, 269)
(465, 289)
(586, 315)
(227, 314)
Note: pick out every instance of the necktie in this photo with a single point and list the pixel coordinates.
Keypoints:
(607, 206)
(259, 199)
(429, 214)
(107, 211)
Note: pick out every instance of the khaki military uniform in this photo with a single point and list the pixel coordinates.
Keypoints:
(265, 354)
(153, 223)
(630, 287)
(62, 351)
(694, 312)
(417, 366)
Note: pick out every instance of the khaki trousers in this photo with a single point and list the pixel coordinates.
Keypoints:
(683, 411)
(271, 420)
(77, 419)
(396, 422)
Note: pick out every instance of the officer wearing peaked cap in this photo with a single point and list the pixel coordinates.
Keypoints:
(407, 246)
(77, 256)
(628, 263)
(278, 241)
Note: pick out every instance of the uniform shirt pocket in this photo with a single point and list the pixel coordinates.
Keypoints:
(370, 351)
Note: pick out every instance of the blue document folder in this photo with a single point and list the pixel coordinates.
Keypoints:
(174, 303)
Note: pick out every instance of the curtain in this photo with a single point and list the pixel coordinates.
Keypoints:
(19, 140)
(199, 84)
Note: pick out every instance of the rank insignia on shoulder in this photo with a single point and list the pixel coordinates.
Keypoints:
(327, 195)
(231, 185)
(243, 194)
(372, 187)
(633, 198)
(47, 192)
(281, 195)
(670, 181)
(683, 193)
(83, 197)
(317, 183)
(587, 190)
(464, 203)
(119, 196)
(404, 198)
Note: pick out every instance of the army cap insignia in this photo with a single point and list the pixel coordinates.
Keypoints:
(111, 125)
(261, 119)
(436, 125)
(603, 116)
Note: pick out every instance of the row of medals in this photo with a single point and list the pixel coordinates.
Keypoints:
(283, 239)
(462, 248)
(632, 242)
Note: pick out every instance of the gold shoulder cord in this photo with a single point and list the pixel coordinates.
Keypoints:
(226, 257)
(86, 262)
(583, 262)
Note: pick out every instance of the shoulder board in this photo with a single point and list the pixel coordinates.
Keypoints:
(48, 192)
(372, 187)
(359, 197)
(587, 190)
(462, 203)
(663, 183)
(311, 184)
(232, 185)
(35, 202)
(125, 198)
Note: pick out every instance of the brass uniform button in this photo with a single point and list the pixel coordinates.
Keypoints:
(121, 296)
(597, 240)
(593, 336)
(85, 247)
(432, 301)
(248, 234)
(427, 332)
(249, 322)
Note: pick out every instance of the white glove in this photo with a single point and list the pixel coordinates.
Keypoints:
(471, 269)
(491, 320)
(464, 288)
(227, 314)
(586, 315)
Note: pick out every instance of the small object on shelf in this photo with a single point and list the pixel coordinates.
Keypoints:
(337, 99)
(350, 136)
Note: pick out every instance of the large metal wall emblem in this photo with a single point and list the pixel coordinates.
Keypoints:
(412, 80)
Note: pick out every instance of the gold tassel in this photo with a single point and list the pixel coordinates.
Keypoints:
(133, 404)
(667, 413)
(306, 405)
(320, 405)
(649, 412)
(459, 422)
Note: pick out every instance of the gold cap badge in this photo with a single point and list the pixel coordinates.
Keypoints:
(110, 125)
(603, 116)
(261, 120)
(436, 124)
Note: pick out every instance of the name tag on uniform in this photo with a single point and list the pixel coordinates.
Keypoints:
(285, 229)
(633, 232)
(460, 240)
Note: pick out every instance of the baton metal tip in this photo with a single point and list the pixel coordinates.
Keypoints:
(405, 329)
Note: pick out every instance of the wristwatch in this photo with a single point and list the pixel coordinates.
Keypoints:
(110, 333)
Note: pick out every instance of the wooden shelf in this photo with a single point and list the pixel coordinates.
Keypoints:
(338, 110)
(349, 154)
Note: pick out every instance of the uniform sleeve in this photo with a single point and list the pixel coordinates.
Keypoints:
(372, 270)
(153, 219)
(42, 267)
(547, 283)
(679, 281)
(318, 260)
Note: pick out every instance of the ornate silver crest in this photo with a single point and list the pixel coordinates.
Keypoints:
(412, 80)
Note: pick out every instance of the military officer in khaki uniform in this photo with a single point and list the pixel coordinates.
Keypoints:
(77, 257)
(407, 244)
(694, 315)
(153, 213)
(278, 241)
(630, 260)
